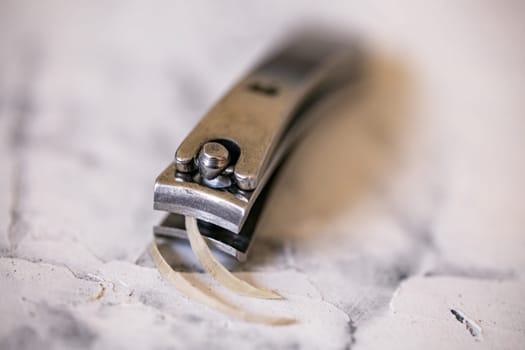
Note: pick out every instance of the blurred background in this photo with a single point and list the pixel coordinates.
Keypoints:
(403, 204)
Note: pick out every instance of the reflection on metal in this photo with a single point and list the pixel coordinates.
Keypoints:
(222, 170)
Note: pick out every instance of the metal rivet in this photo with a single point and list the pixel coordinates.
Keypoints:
(213, 159)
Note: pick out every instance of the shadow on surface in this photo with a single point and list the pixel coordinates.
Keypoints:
(356, 144)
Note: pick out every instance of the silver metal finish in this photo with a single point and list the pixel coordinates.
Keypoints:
(213, 159)
(222, 167)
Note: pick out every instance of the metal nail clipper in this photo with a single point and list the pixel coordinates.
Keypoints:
(222, 171)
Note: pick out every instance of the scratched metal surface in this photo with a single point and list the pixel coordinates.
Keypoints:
(398, 224)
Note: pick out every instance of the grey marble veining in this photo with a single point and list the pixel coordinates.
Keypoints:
(406, 232)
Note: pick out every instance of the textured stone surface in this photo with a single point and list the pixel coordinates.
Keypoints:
(398, 224)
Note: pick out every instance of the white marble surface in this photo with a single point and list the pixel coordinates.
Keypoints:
(398, 224)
